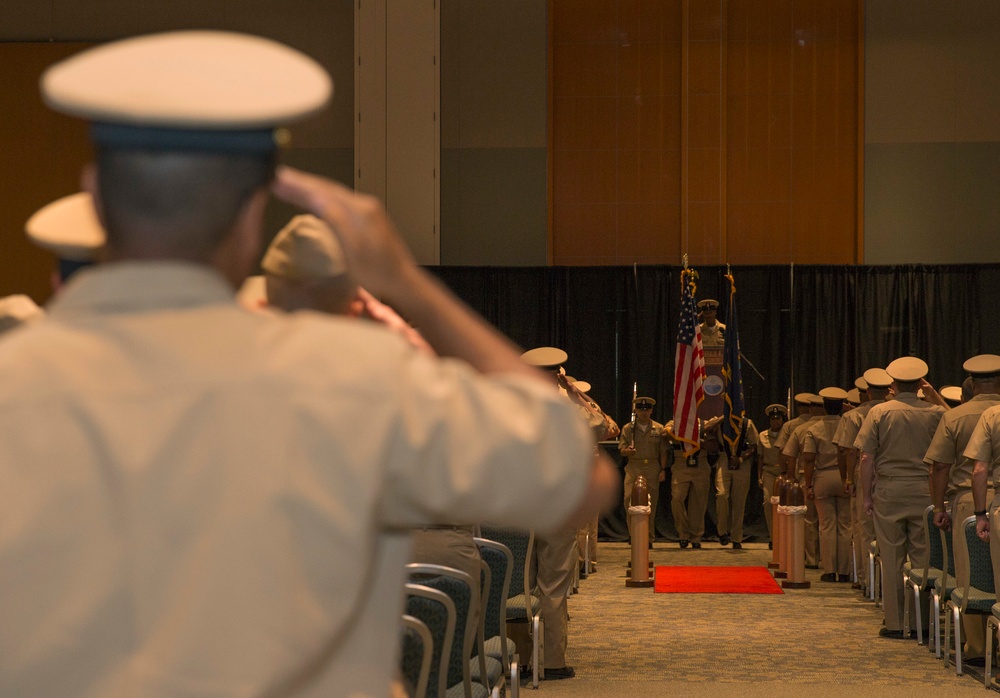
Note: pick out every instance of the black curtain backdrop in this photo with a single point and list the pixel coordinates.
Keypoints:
(802, 328)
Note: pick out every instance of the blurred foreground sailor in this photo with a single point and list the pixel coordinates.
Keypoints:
(220, 511)
(18, 310)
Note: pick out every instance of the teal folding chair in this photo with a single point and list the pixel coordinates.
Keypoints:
(977, 596)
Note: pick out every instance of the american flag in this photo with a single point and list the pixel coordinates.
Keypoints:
(689, 369)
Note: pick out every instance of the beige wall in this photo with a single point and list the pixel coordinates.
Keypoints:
(932, 131)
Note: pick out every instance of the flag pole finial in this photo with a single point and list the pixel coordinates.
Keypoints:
(685, 260)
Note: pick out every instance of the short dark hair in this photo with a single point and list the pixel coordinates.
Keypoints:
(177, 203)
(908, 386)
(833, 406)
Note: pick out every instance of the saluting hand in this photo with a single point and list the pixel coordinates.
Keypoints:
(374, 251)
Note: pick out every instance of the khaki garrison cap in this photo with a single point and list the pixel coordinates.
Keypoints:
(188, 90)
(305, 249)
(860, 383)
(68, 227)
(983, 365)
(644, 402)
(907, 369)
(710, 303)
(833, 394)
(952, 393)
(545, 357)
(878, 378)
(803, 398)
(775, 409)
(854, 396)
(17, 310)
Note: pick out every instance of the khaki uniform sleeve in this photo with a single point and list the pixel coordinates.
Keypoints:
(942, 446)
(980, 446)
(867, 440)
(466, 448)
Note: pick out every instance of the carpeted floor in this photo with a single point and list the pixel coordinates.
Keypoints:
(819, 642)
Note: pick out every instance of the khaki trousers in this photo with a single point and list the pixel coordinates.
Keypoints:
(651, 471)
(731, 489)
(767, 484)
(864, 529)
(555, 558)
(833, 509)
(690, 485)
(812, 534)
(899, 528)
(451, 547)
(581, 540)
(973, 624)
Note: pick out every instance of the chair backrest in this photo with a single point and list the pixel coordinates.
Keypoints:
(935, 556)
(418, 651)
(945, 538)
(458, 586)
(980, 562)
(437, 611)
(521, 544)
(501, 563)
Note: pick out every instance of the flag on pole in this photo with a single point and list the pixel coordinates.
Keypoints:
(734, 422)
(689, 369)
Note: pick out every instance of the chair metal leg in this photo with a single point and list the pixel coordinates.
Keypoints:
(945, 649)
(936, 620)
(918, 614)
(907, 585)
(871, 576)
(539, 654)
(854, 563)
(991, 624)
(957, 617)
(515, 677)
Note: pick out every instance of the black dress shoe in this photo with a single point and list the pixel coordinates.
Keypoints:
(828, 577)
(737, 546)
(696, 546)
(843, 577)
(685, 543)
(770, 545)
(975, 661)
(565, 672)
(724, 539)
(890, 634)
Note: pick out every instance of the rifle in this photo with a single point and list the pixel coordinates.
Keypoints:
(635, 388)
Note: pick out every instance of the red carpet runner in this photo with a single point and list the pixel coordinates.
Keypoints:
(715, 580)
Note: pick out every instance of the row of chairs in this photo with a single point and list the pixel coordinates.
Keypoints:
(446, 656)
(937, 577)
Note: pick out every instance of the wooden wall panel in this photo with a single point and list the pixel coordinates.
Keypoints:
(736, 122)
(43, 154)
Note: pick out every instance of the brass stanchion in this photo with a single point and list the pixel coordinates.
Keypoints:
(775, 528)
(638, 515)
(782, 525)
(796, 516)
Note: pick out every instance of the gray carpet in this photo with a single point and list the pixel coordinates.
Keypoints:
(821, 641)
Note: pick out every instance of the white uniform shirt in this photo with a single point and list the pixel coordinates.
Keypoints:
(199, 500)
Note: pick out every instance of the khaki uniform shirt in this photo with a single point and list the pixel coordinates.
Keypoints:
(648, 443)
(984, 444)
(786, 430)
(951, 438)
(818, 439)
(768, 455)
(713, 336)
(897, 433)
(850, 424)
(202, 500)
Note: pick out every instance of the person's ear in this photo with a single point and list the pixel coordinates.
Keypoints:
(90, 184)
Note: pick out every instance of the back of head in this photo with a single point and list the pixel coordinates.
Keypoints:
(174, 203)
(305, 268)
